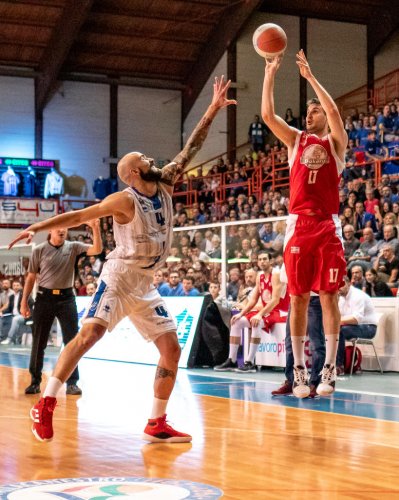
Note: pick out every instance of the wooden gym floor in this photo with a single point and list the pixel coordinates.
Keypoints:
(245, 442)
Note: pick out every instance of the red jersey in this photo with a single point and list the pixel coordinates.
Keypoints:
(315, 171)
(266, 291)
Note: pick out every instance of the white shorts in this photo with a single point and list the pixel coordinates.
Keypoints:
(121, 292)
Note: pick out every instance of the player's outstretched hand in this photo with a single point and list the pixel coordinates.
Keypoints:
(220, 88)
(303, 65)
(273, 64)
(94, 224)
(23, 235)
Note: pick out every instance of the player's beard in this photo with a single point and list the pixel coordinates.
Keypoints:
(153, 175)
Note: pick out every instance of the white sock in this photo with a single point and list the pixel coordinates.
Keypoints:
(158, 407)
(233, 351)
(252, 352)
(331, 349)
(53, 386)
(298, 348)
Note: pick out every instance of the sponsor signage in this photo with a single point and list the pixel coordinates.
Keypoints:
(26, 162)
(26, 211)
(125, 343)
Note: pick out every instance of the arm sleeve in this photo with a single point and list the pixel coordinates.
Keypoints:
(79, 248)
(358, 306)
(34, 262)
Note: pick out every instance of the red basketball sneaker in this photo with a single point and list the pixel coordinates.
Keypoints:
(42, 416)
(159, 431)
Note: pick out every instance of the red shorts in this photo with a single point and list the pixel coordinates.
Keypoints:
(270, 319)
(313, 255)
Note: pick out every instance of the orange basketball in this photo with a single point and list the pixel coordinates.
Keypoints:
(269, 40)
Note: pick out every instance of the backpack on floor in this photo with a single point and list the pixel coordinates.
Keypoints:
(348, 359)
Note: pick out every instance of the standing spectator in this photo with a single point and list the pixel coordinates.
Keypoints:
(4, 300)
(55, 261)
(257, 134)
(290, 119)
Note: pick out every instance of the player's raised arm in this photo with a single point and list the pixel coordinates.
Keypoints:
(117, 203)
(338, 133)
(172, 171)
(277, 125)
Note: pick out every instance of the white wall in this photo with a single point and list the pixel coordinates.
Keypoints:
(149, 122)
(76, 130)
(337, 55)
(387, 59)
(216, 141)
(17, 118)
(250, 70)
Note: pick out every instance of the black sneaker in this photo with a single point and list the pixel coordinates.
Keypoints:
(32, 389)
(73, 390)
(300, 387)
(227, 366)
(247, 367)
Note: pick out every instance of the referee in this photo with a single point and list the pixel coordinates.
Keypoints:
(53, 264)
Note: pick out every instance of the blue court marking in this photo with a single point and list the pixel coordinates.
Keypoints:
(380, 407)
(355, 404)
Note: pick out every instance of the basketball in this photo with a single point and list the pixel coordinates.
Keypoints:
(269, 40)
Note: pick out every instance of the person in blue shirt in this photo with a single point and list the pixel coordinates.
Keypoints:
(174, 287)
(373, 147)
(188, 289)
(159, 282)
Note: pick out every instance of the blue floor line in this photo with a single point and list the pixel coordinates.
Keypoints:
(380, 407)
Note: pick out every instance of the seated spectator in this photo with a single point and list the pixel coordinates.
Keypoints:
(14, 310)
(96, 264)
(91, 289)
(161, 281)
(387, 266)
(374, 287)
(278, 242)
(78, 288)
(245, 288)
(388, 237)
(362, 220)
(373, 148)
(187, 289)
(347, 217)
(174, 286)
(358, 319)
(350, 242)
(361, 255)
(208, 241)
(234, 284)
(216, 253)
(290, 119)
(385, 125)
(371, 202)
(357, 278)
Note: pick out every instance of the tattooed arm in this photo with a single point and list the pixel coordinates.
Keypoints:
(172, 171)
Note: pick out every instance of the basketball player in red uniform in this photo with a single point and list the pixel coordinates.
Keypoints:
(313, 248)
(275, 301)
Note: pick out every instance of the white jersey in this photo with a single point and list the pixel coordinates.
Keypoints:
(145, 241)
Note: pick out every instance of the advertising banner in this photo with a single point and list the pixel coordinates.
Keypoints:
(125, 343)
(26, 211)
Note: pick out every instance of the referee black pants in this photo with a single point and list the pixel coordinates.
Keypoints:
(45, 310)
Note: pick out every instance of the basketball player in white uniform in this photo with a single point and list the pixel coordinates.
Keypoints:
(142, 216)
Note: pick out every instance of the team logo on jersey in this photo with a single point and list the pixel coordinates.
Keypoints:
(314, 156)
(94, 488)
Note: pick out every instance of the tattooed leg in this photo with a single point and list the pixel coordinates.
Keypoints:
(164, 372)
